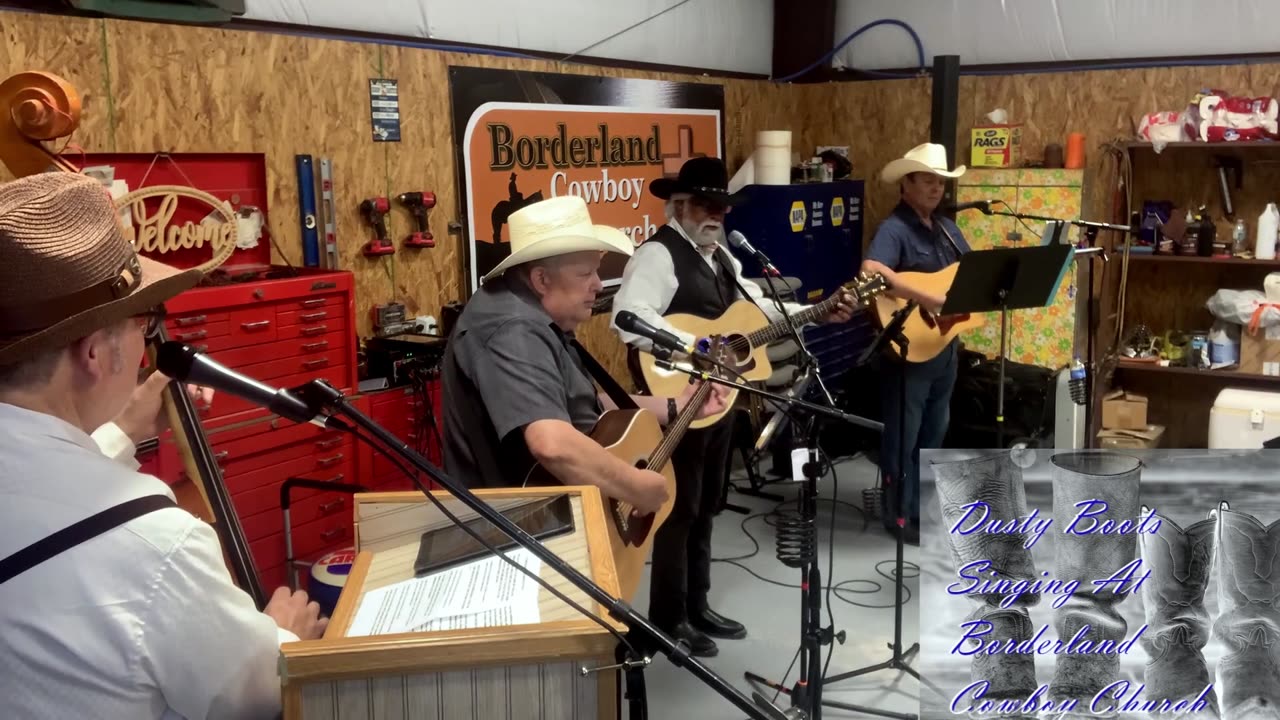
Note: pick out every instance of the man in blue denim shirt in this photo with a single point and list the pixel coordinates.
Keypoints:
(915, 239)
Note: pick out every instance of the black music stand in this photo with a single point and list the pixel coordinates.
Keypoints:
(1006, 279)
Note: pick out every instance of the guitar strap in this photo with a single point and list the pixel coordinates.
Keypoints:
(954, 245)
(620, 397)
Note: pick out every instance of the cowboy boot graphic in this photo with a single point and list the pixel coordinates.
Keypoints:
(1089, 491)
(996, 483)
(1173, 602)
(1248, 622)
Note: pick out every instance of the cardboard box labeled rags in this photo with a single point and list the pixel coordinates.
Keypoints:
(1124, 411)
(996, 146)
(1260, 353)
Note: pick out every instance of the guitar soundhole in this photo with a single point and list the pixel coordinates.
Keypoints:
(642, 465)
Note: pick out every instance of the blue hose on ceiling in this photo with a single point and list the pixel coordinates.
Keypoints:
(915, 37)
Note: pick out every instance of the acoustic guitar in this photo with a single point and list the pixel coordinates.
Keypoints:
(748, 332)
(927, 334)
(635, 437)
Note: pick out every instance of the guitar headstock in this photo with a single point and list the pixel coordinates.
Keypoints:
(866, 287)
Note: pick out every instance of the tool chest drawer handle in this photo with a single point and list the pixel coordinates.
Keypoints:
(219, 457)
(332, 506)
(255, 325)
(317, 302)
(183, 337)
(325, 462)
(336, 478)
(321, 362)
(326, 444)
(313, 316)
(193, 320)
(317, 330)
(309, 347)
(328, 535)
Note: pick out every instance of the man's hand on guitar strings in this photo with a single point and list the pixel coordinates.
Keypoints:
(715, 403)
(844, 310)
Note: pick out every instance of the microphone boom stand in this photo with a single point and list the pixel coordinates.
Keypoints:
(797, 547)
(323, 398)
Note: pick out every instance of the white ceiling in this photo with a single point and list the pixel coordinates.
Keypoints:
(1015, 31)
(730, 35)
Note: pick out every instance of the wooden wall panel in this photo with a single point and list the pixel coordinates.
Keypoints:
(878, 120)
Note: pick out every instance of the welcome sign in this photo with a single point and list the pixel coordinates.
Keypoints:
(513, 154)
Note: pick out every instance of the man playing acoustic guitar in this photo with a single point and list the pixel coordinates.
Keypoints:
(914, 238)
(684, 268)
(516, 389)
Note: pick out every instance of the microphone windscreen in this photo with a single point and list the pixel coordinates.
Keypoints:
(736, 239)
(175, 359)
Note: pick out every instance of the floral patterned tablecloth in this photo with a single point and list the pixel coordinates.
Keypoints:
(1042, 336)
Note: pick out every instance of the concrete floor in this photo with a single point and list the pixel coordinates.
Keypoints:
(772, 613)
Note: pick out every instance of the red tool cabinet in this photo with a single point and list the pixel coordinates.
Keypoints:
(285, 332)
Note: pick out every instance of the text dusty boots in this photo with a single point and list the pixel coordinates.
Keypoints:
(1248, 622)
(1173, 602)
(997, 482)
(1106, 487)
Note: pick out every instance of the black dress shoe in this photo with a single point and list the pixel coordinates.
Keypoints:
(716, 625)
(699, 644)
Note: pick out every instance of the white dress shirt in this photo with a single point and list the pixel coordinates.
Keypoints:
(649, 283)
(142, 621)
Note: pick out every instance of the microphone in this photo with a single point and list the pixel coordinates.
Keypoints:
(628, 321)
(982, 205)
(185, 364)
(740, 241)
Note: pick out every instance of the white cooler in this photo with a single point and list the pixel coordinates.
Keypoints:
(1244, 418)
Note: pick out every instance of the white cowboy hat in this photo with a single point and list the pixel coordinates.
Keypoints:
(558, 226)
(929, 157)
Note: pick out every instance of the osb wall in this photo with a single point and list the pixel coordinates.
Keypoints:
(155, 87)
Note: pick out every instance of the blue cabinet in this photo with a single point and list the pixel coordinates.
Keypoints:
(812, 232)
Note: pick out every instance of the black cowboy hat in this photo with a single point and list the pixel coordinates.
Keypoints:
(704, 176)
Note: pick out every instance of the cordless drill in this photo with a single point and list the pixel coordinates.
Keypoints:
(419, 203)
(374, 210)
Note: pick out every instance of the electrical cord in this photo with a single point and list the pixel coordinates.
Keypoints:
(399, 462)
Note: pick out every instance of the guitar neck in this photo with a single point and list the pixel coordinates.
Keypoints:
(781, 329)
(676, 430)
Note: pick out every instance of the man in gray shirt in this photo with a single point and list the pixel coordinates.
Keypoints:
(516, 391)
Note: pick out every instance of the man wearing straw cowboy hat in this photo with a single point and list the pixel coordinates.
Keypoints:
(685, 268)
(517, 388)
(131, 613)
(915, 238)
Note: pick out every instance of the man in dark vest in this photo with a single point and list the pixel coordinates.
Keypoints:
(685, 268)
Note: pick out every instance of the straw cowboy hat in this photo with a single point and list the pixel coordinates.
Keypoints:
(558, 226)
(66, 268)
(929, 158)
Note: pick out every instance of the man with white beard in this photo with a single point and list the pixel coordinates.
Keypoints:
(685, 268)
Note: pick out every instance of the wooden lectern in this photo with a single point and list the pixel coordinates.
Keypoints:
(518, 671)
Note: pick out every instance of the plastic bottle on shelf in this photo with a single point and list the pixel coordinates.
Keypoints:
(1240, 238)
(1268, 223)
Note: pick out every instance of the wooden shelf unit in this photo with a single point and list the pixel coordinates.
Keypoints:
(1169, 292)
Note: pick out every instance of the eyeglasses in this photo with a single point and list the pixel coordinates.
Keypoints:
(149, 322)
(708, 206)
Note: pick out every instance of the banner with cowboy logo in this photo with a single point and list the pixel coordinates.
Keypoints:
(522, 137)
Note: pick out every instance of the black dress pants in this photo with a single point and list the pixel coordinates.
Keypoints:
(682, 546)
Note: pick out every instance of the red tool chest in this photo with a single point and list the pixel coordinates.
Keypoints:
(400, 411)
(284, 331)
